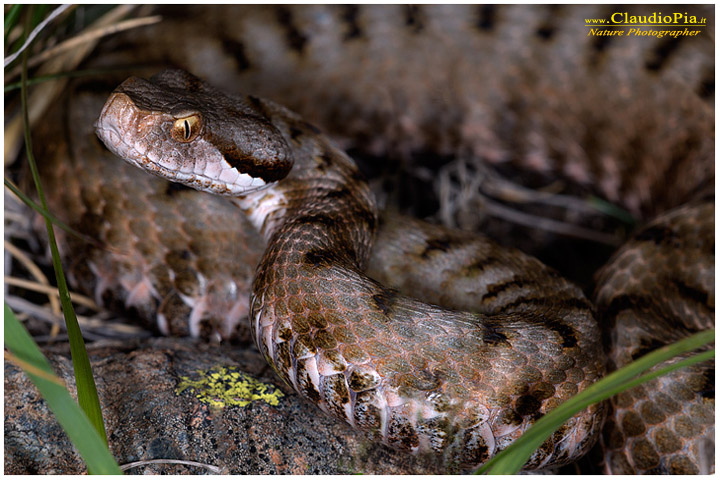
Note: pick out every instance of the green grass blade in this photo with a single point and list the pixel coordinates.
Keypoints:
(33, 19)
(700, 357)
(39, 14)
(86, 389)
(612, 210)
(77, 426)
(511, 460)
(11, 19)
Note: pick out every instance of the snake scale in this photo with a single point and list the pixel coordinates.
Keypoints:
(638, 132)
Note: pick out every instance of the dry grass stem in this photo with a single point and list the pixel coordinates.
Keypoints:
(46, 94)
(54, 14)
(97, 323)
(50, 291)
(90, 36)
(550, 225)
(37, 273)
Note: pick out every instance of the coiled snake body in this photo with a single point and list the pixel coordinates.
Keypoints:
(416, 376)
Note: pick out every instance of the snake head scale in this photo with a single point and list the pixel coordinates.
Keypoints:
(176, 126)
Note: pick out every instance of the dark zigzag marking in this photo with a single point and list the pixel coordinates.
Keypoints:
(295, 39)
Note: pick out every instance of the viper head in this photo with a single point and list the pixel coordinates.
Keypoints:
(178, 127)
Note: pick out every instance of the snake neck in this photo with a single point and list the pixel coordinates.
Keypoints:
(325, 196)
(365, 353)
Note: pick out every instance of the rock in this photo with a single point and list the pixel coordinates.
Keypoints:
(170, 398)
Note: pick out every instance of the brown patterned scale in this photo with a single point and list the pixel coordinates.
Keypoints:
(649, 426)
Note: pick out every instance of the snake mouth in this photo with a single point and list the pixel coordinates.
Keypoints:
(241, 185)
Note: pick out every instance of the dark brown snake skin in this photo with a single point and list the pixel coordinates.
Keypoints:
(551, 106)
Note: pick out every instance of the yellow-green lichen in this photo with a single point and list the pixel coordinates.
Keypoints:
(226, 386)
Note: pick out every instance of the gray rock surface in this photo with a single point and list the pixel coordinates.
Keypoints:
(148, 415)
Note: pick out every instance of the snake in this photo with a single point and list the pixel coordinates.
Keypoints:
(464, 380)
(413, 375)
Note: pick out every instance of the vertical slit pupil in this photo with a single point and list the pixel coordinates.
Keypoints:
(187, 129)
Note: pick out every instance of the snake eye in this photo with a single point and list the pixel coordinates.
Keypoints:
(187, 128)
